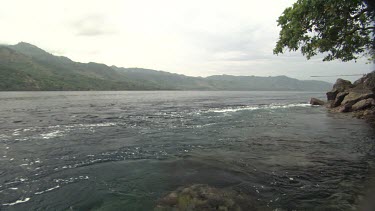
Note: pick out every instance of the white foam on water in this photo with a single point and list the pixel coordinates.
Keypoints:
(28, 129)
(20, 180)
(16, 133)
(233, 109)
(3, 136)
(17, 202)
(104, 124)
(53, 134)
(204, 125)
(264, 107)
(63, 129)
(71, 179)
(54, 131)
(48, 190)
(276, 106)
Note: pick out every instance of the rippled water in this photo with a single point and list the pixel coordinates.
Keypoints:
(125, 150)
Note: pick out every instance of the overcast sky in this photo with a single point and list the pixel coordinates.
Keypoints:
(191, 37)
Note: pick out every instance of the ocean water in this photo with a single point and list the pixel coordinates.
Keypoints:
(126, 150)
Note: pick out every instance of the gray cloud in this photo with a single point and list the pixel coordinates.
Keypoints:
(252, 42)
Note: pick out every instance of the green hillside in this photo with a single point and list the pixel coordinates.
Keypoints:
(27, 67)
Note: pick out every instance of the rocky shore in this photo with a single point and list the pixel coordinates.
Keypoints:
(357, 98)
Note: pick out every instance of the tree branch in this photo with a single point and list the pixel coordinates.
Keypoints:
(367, 28)
(359, 14)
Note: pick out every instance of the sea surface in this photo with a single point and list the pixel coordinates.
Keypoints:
(125, 150)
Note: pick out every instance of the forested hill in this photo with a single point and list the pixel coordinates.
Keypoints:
(26, 67)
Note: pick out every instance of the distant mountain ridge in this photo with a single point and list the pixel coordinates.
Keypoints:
(25, 67)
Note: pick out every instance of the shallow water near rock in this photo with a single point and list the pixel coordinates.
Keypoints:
(127, 150)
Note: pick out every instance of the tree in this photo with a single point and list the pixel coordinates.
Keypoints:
(342, 29)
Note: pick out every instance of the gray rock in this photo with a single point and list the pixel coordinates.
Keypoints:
(315, 101)
(366, 82)
(345, 108)
(331, 95)
(342, 85)
(357, 97)
(354, 97)
(369, 82)
(363, 104)
(339, 98)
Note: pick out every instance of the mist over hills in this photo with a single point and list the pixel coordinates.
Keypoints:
(25, 67)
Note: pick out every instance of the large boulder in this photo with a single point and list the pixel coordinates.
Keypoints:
(354, 97)
(358, 97)
(369, 82)
(345, 108)
(339, 98)
(331, 95)
(342, 85)
(363, 104)
(315, 101)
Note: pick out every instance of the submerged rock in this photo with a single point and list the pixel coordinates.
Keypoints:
(315, 101)
(204, 197)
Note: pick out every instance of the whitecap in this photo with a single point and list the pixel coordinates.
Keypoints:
(3, 136)
(276, 106)
(231, 109)
(257, 107)
(17, 202)
(16, 133)
(53, 134)
(103, 124)
(50, 189)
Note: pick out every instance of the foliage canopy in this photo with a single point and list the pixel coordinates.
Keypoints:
(342, 29)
